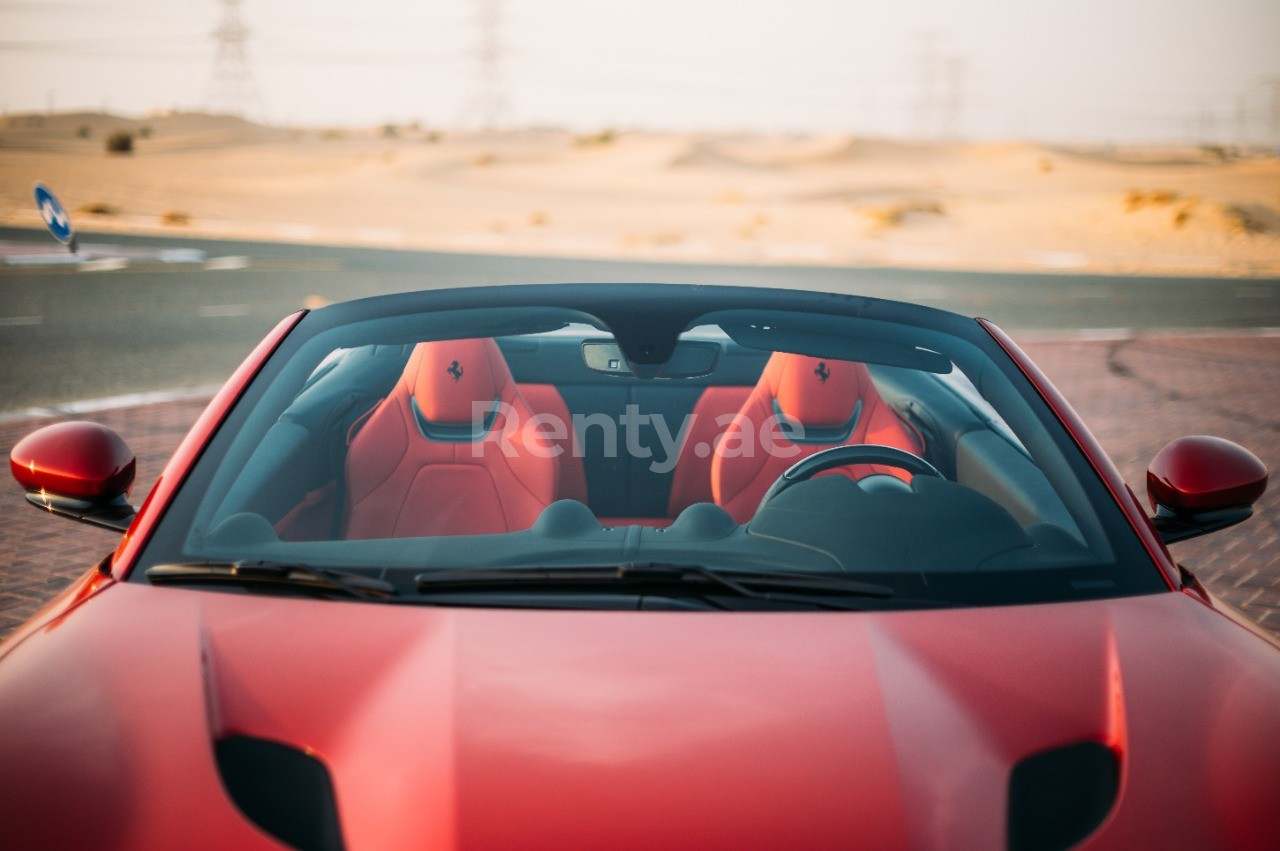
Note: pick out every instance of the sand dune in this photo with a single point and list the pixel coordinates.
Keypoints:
(771, 198)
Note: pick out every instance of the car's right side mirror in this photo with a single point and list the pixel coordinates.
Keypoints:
(1201, 484)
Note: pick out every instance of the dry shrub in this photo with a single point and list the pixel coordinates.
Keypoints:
(120, 142)
(896, 214)
(1046, 165)
(99, 208)
(175, 218)
(604, 137)
(484, 159)
(669, 237)
(1136, 199)
(539, 218)
(1246, 218)
(84, 131)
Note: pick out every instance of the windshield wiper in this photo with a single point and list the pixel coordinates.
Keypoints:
(659, 579)
(250, 573)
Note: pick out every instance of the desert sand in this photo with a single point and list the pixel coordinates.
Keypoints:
(834, 199)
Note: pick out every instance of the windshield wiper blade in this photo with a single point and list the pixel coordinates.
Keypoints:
(277, 574)
(774, 586)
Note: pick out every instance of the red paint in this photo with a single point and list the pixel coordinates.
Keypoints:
(487, 728)
(1202, 473)
(1093, 452)
(81, 460)
(175, 472)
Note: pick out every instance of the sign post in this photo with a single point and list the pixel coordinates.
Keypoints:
(55, 217)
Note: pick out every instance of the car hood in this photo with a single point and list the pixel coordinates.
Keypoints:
(485, 728)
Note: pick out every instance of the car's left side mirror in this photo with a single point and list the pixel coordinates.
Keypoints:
(1201, 484)
(80, 470)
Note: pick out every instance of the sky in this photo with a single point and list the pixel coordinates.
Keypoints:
(1060, 70)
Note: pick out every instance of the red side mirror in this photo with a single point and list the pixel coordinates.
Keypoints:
(1201, 484)
(78, 469)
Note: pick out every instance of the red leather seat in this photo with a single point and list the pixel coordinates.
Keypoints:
(836, 404)
(421, 464)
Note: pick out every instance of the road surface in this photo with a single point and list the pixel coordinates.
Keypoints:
(140, 324)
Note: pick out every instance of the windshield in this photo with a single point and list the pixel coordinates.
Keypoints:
(766, 441)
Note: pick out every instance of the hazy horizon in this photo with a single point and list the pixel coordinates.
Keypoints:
(1081, 71)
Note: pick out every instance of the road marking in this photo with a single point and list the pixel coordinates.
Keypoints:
(106, 403)
(179, 255)
(214, 311)
(21, 320)
(106, 264)
(218, 264)
(1256, 292)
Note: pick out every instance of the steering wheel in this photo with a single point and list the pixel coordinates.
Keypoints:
(840, 456)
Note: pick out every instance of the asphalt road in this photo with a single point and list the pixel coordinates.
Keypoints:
(68, 334)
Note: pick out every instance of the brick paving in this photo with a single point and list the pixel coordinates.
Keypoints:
(1136, 395)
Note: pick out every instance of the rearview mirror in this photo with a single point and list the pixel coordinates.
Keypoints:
(689, 359)
(80, 470)
(1201, 484)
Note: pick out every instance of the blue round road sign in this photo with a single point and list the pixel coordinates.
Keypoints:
(54, 215)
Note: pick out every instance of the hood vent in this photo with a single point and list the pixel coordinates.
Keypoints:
(282, 790)
(1060, 796)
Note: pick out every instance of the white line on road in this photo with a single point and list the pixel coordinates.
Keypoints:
(1256, 292)
(219, 264)
(107, 403)
(21, 320)
(106, 264)
(215, 311)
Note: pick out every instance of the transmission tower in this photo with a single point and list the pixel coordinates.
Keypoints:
(925, 108)
(1272, 87)
(488, 101)
(957, 70)
(232, 90)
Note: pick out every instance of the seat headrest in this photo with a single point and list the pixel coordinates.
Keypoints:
(813, 391)
(447, 378)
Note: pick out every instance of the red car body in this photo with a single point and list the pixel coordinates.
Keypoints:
(494, 728)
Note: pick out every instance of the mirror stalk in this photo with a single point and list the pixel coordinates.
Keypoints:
(116, 514)
(1181, 527)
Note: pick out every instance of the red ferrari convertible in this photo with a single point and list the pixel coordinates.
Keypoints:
(598, 566)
